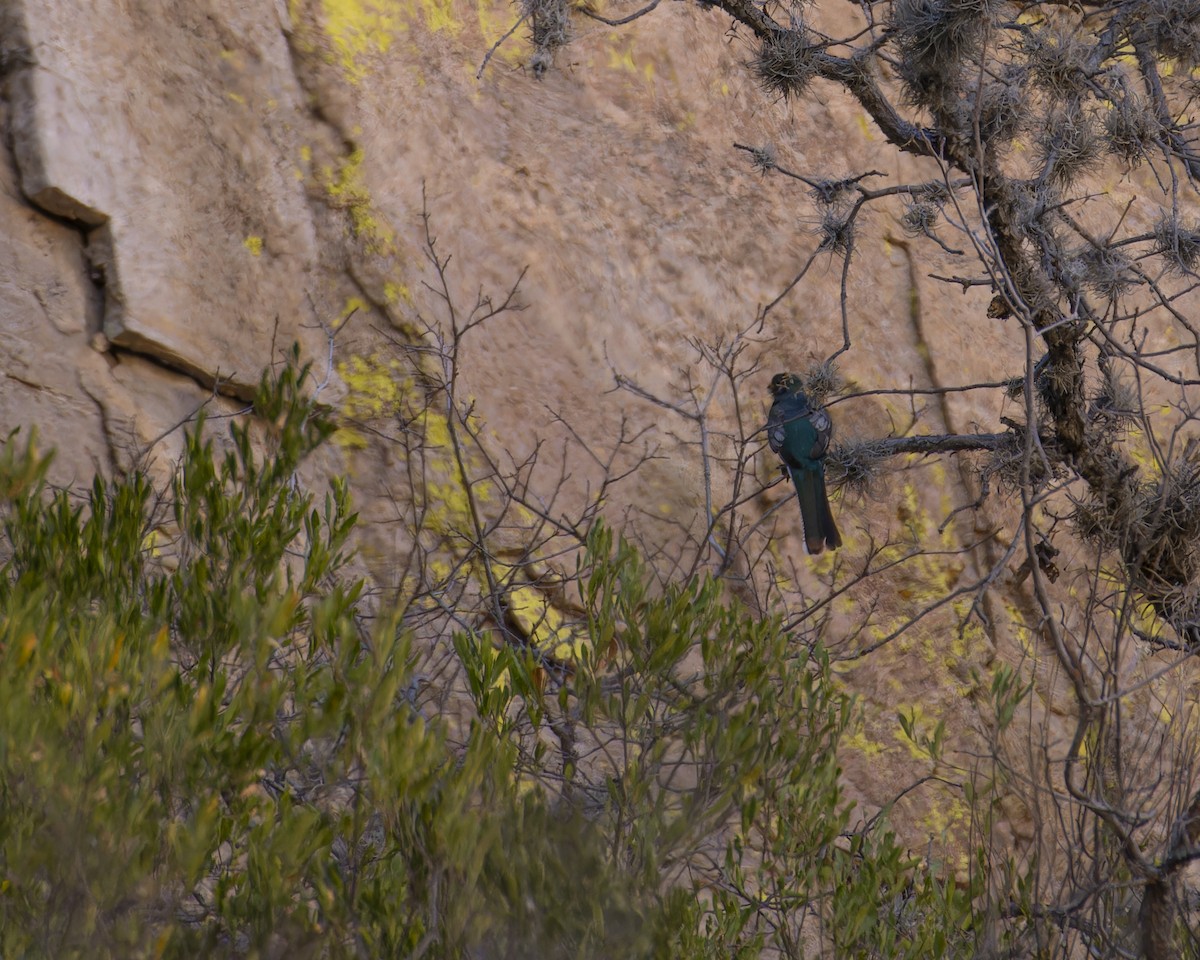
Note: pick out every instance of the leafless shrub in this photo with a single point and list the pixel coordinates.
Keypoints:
(959, 85)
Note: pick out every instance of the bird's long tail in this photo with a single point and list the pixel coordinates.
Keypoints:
(820, 532)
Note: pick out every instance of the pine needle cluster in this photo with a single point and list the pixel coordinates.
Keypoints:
(786, 62)
(1106, 272)
(1068, 145)
(1178, 244)
(1173, 29)
(919, 217)
(935, 38)
(1059, 60)
(551, 29)
(857, 467)
(1131, 129)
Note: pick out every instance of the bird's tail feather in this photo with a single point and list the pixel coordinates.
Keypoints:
(820, 532)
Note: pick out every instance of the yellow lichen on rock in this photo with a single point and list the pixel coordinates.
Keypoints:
(620, 57)
(397, 293)
(346, 189)
(496, 20)
(360, 30)
(375, 388)
(439, 15)
(538, 619)
(859, 742)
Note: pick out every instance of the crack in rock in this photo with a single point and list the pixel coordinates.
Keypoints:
(199, 233)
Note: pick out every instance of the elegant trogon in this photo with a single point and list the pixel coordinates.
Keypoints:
(799, 434)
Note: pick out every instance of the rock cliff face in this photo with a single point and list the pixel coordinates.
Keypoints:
(191, 185)
(169, 135)
(231, 176)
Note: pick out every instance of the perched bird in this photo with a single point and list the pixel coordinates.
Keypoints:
(800, 435)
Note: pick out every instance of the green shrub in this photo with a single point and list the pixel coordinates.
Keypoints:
(207, 748)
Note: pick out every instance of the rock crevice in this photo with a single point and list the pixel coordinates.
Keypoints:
(175, 135)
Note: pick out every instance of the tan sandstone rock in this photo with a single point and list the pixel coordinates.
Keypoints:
(170, 132)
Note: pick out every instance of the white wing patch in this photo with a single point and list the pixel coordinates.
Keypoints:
(776, 434)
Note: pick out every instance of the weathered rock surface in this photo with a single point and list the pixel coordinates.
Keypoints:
(47, 305)
(169, 132)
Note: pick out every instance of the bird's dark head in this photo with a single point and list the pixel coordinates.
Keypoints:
(783, 383)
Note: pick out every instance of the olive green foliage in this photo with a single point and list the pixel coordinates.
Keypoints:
(735, 782)
(208, 748)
